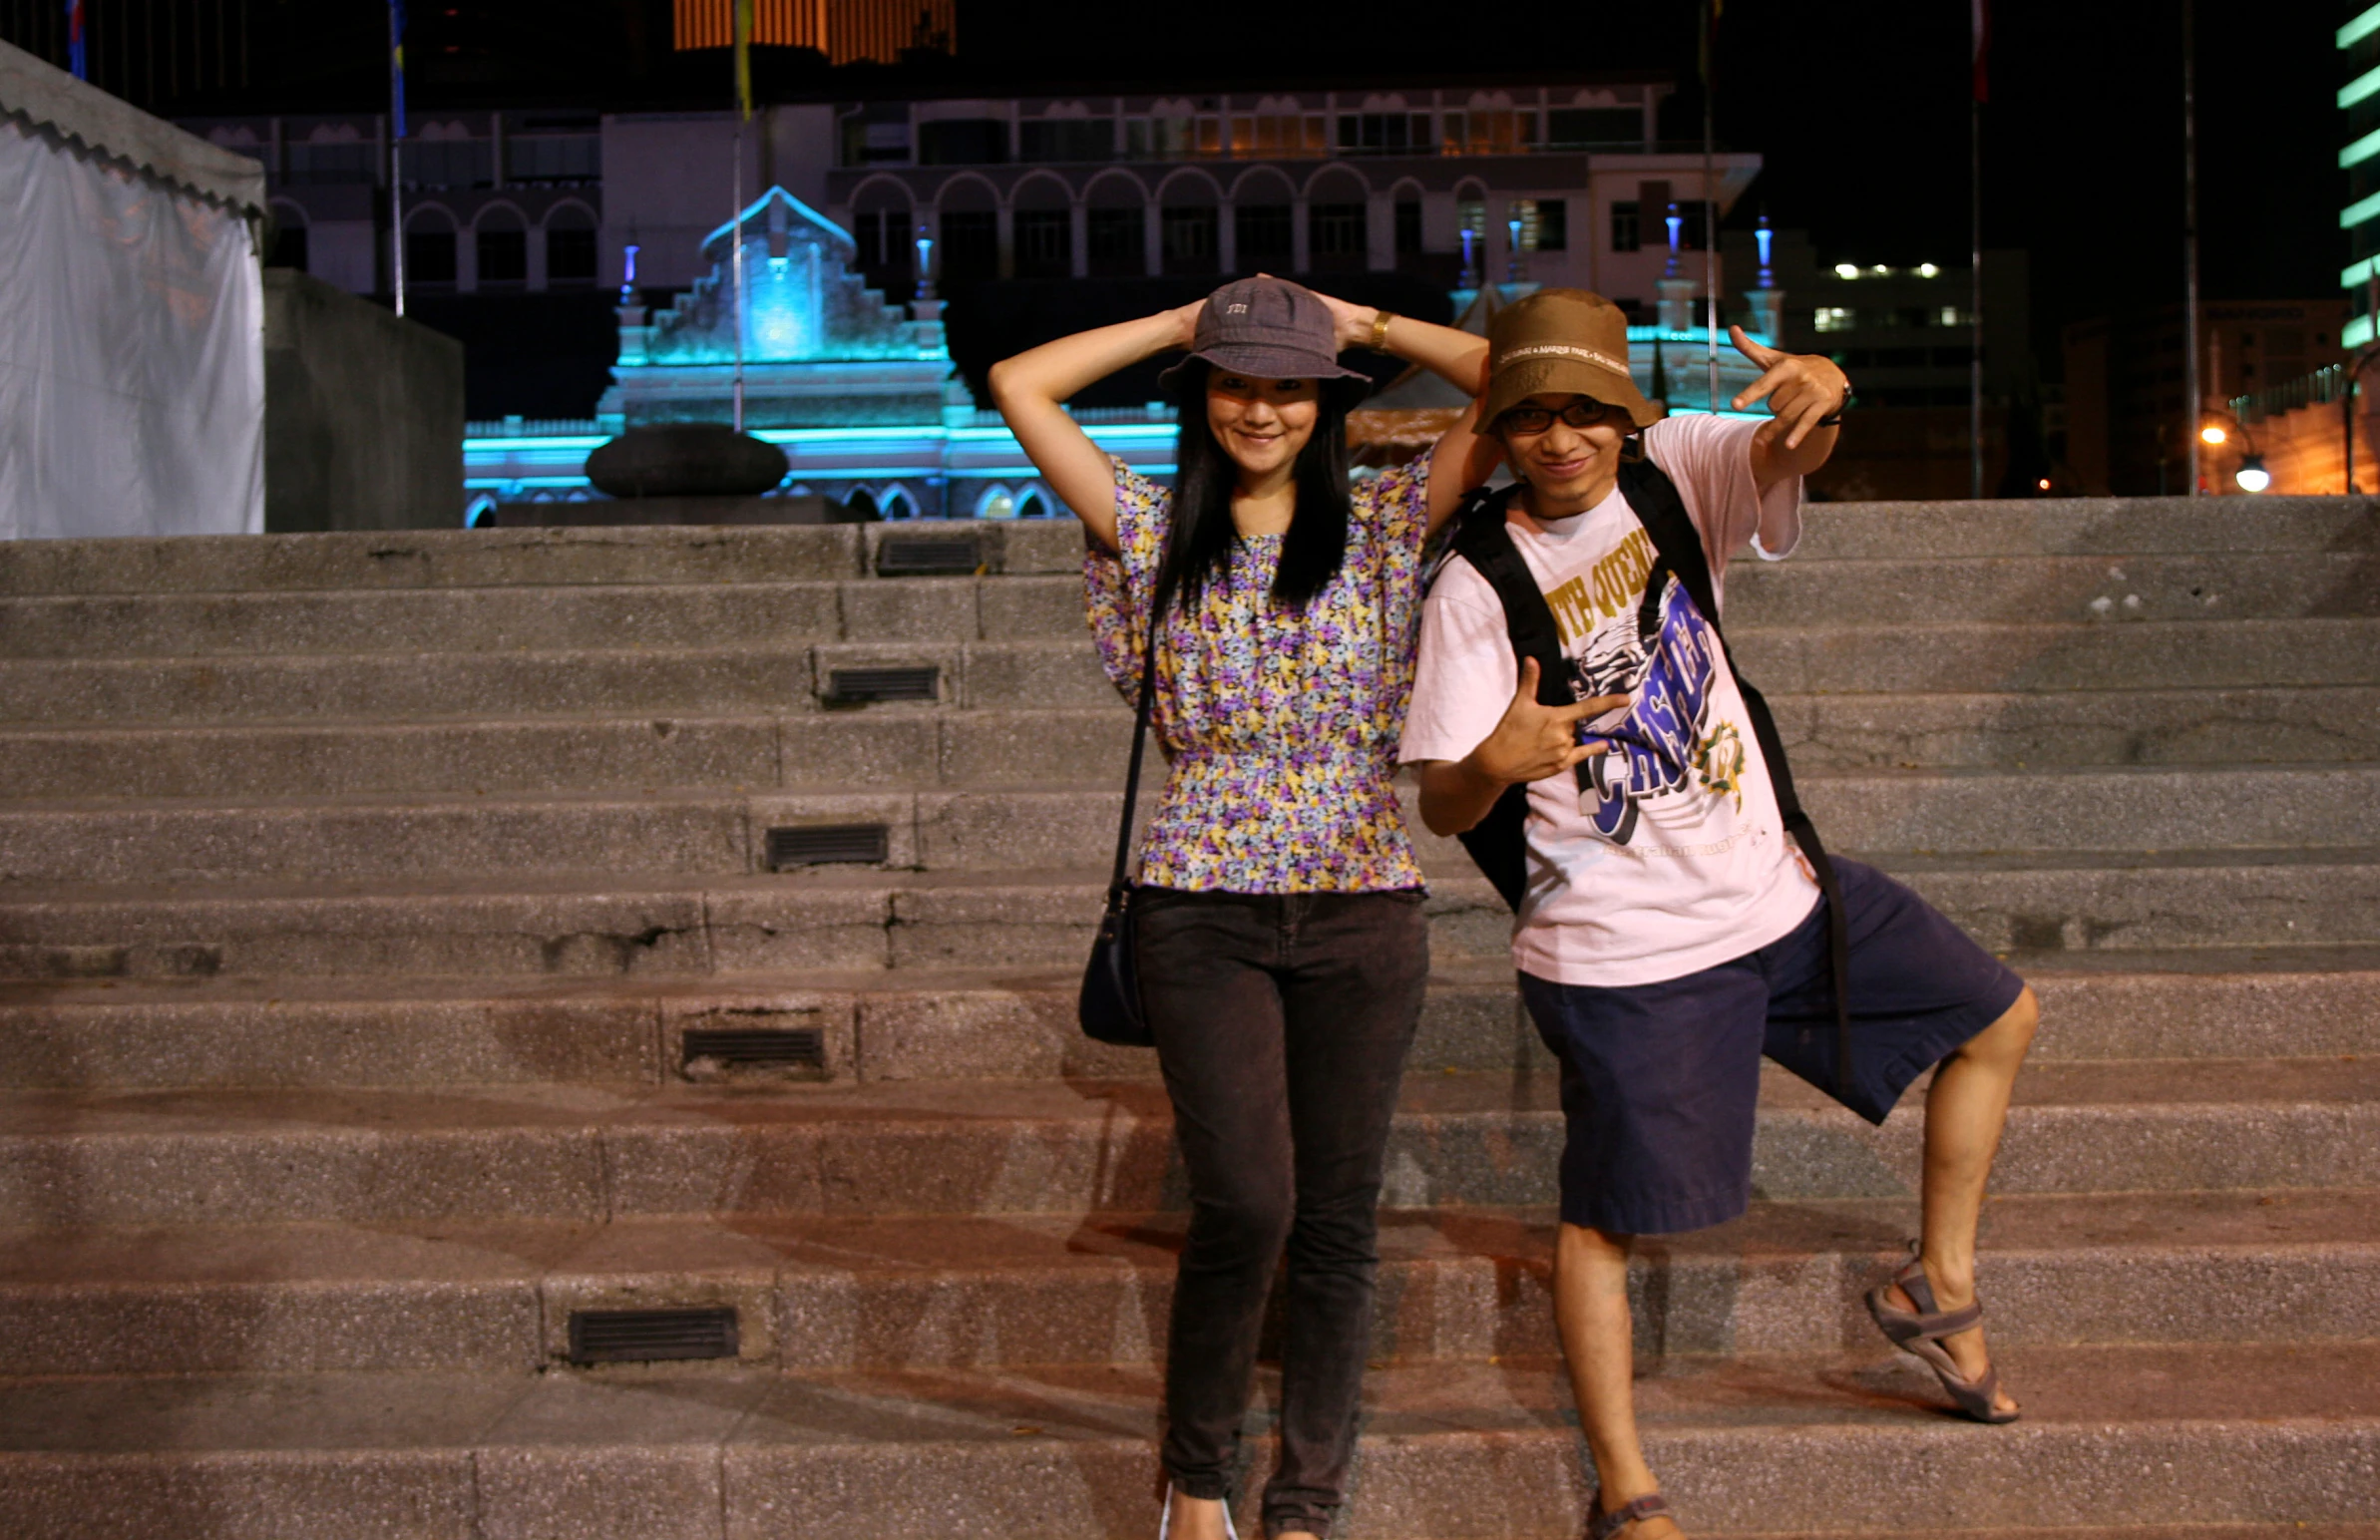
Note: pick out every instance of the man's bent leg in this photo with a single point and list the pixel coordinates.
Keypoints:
(1965, 1109)
(1598, 1342)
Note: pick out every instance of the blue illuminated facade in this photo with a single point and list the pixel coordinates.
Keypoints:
(859, 393)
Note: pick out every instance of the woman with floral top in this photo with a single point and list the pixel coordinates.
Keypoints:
(1278, 925)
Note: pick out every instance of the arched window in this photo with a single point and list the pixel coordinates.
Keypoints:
(1116, 229)
(1045, 228)
(1337, 223)
(429, 246)
(288, 236)
(1189, 226)
(1035, 506)
(569, 244)
(862, 503)
(882, 226)
(969, 217)
(1261, 221)
(897, 504)
(503, 245)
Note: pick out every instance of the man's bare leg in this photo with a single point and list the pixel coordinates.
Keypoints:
(1965, 1109)
(1591, 1312)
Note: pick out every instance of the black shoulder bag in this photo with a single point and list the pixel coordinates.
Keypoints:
(1499, 843)
(1109, 1005)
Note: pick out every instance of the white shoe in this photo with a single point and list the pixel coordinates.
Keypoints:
(1165, 1517)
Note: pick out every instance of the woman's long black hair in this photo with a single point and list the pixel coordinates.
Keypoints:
(1198, 546)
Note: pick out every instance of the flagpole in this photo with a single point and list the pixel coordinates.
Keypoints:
(2190, 245)
(396, 141)
(743, 110)
(1975, 102)
(1710, 206)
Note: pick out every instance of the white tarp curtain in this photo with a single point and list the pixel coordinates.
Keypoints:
(132, 350)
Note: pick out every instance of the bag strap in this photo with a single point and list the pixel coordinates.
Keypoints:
(1678, 544)
(1140, 738)
(1498, 843)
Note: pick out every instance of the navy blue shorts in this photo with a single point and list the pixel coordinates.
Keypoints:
(1660, 1081)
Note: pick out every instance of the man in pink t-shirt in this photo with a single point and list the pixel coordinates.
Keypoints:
(1668, 932)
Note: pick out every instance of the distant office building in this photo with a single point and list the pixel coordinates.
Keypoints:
(2359, 98)
(1905, 335)
(2124, 384)
(846, 31)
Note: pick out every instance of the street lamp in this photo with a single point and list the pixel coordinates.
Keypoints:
(2252, 475)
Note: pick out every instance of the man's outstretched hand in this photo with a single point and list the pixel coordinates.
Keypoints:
(1531, 743)
(1801, 387)
(1535, 741)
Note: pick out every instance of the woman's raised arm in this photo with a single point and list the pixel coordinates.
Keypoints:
(1462, 457)
(1030, 390)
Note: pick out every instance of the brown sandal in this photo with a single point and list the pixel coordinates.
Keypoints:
(1602, 1525)
(1920, 1335)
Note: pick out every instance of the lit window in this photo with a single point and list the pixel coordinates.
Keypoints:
(1928, 271)
(1950, 316)
(1831, 318)
(1880, 271)
(1846, 270)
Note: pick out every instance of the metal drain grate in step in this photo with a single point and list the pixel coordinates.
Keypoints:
(859, 687)
(912, 555)
(652, 1335)
(800, 844)
(796, 1047)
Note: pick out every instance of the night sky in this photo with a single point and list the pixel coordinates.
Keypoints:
(1859, 107)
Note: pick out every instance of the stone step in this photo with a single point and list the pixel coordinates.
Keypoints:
(695, 835)
(76, 1158)
(1832, 659)
(523, 558)
(836, 750)
(1019, 1290)
(937, 609)
(452, 559)
(921, 1024)
(603, 926)
(1823, 1444)
(1931, 589)
(556, 618)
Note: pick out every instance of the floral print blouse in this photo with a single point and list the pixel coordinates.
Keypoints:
(1282, 724)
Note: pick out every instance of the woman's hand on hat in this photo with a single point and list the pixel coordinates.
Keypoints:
(1185, 324)
(1801, 388)
(1351, 323)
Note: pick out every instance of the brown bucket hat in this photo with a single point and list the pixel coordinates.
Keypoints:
(1564, 341)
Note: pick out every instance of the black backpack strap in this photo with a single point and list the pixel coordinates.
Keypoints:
(1678, 544)
(1498, 843)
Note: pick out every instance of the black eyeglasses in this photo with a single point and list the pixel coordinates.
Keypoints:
(1582, 413)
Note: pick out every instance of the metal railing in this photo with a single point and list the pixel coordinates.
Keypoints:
(2320, 388)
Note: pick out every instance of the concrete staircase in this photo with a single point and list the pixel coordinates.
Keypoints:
(396, 984)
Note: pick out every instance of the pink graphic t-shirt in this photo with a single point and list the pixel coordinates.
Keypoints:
(1665, 856)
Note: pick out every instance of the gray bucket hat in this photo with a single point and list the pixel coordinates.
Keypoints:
(1270, 328)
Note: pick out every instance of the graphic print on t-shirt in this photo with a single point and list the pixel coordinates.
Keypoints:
(1665, 658)
(1645, 639)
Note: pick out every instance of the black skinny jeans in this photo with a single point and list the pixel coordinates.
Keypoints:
(1282, 1023)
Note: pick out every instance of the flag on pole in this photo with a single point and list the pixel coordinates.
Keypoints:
(1983, 50)
(396, 66)
(743, 57)
(76, 57)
